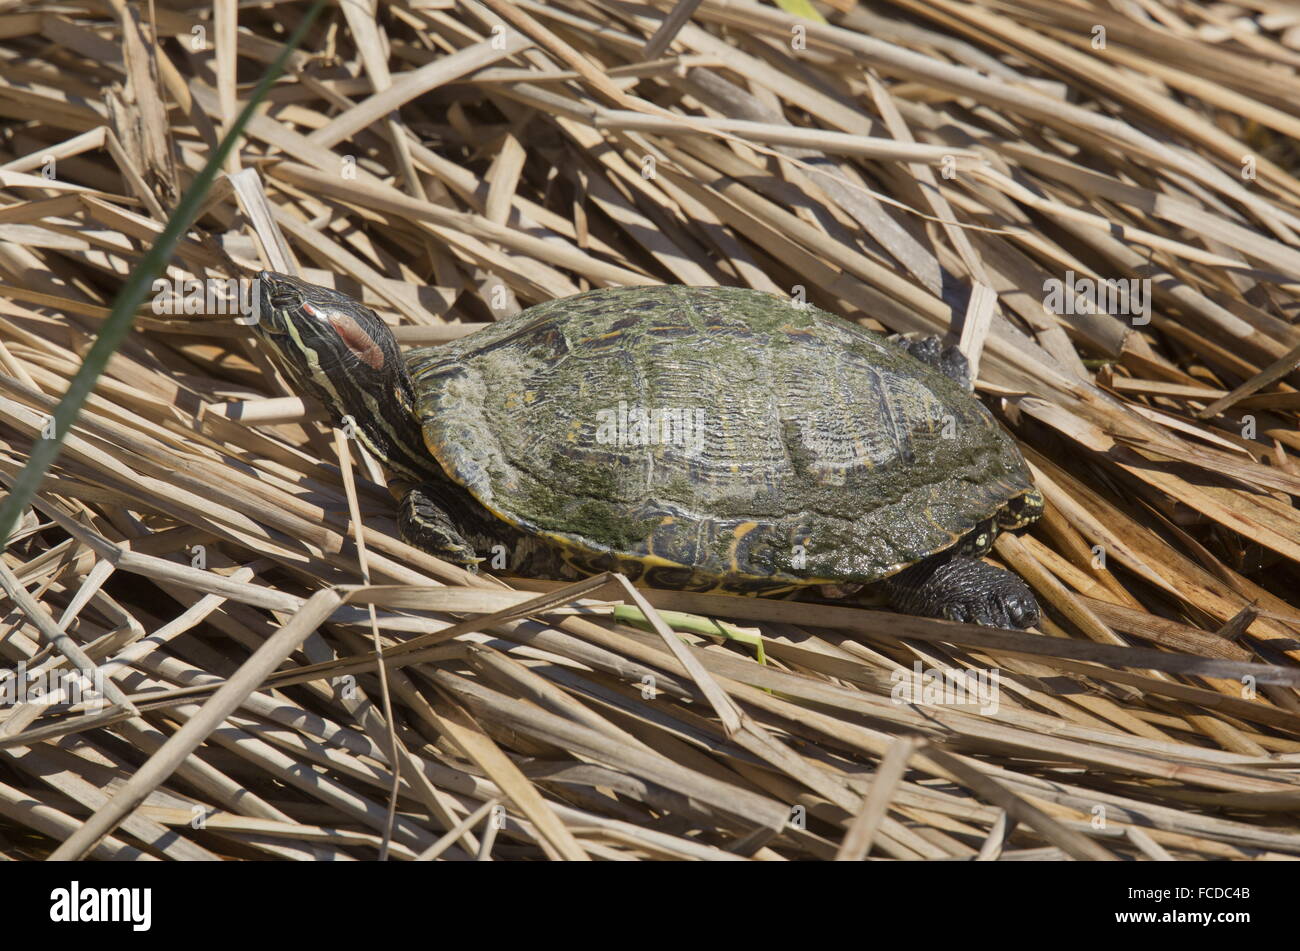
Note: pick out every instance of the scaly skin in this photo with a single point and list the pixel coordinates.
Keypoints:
(821, 460)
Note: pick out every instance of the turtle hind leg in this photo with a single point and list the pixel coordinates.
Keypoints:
(930, 350)
(963, 589)
(424, 522)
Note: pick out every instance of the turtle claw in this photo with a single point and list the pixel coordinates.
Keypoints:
(932, 351)
(1011, 611)
(425, 524)
(966, 590)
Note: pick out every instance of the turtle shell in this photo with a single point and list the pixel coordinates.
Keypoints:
(719, 431)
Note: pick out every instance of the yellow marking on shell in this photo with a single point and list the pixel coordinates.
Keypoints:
(569, 548)
(955, 536)
(569, 545)
(738, 533)
(791, 584)
(575, 555)
(657, 561)
(563, 542)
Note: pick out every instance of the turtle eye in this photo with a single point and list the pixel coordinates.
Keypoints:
(363, 346)
(281, 294)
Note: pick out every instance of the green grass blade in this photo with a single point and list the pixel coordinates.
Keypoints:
(693, 624)
(801, 8)
(133, 294)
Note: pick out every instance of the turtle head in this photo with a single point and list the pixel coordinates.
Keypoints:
(337, 350)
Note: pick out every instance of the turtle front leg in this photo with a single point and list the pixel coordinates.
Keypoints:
(930, 350)
(424, 522)
(472, 537)
(963, 589)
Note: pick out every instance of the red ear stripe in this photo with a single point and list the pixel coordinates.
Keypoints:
(358, 341)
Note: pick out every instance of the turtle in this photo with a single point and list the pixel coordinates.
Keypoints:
(695, 438)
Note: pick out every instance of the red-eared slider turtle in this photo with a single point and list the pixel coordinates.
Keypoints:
(690, 437)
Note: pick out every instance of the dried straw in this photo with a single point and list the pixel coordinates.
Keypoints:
(928, 167)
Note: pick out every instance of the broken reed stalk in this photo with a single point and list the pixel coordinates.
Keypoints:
(942, 167)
